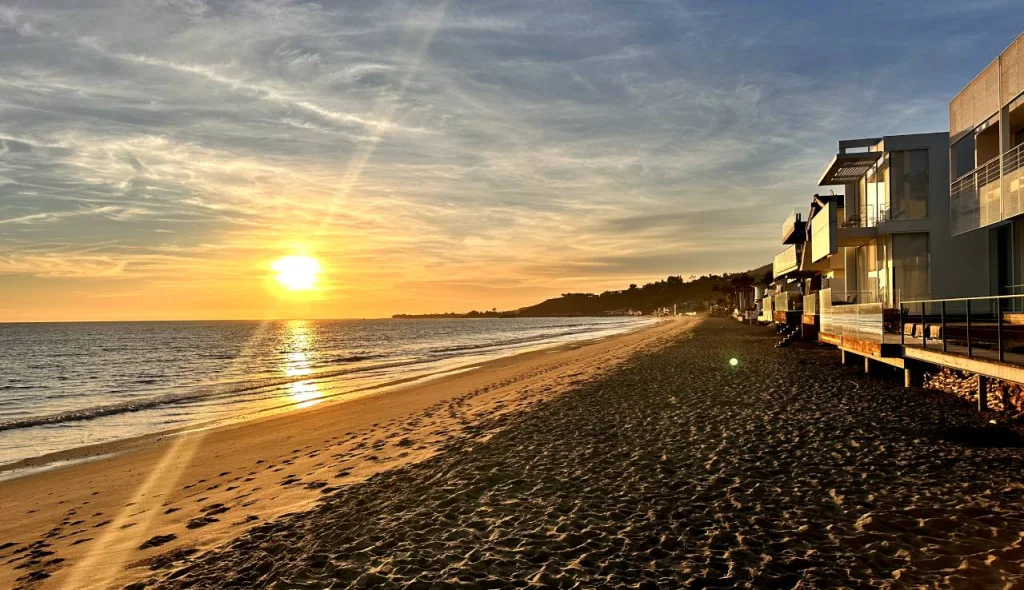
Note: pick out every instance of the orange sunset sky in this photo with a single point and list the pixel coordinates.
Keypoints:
(156, 158)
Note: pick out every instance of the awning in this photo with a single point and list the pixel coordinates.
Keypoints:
(848, 168)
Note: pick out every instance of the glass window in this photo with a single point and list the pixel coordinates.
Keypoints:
(867, 273)
(910, 267)
(908, 193)
(876, 191)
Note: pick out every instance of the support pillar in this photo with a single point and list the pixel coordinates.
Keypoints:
(908, 377)
(982, 393)
(867, 366)
(843, 357)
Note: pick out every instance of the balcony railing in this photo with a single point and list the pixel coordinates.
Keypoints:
(793, 229)
(990, 328)
(1013, 178)
(867, 216)
(974, 198)
(785, 261)
(788, 301)
(811, 304)
(863, 322)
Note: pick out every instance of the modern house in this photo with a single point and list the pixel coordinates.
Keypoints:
(979, 325)
(986, 155)
(887, 239)
(915, 256)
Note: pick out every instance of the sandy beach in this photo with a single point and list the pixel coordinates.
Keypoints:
(640, 461)
(151, 504)
(673, 470)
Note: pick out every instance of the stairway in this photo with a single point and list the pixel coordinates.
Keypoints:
(789, 334)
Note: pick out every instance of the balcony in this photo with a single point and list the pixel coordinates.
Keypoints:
(860, 327)
(786, 262)
(975, 199)
(1013, 178)
(794, 229)
(987, 329)
(789, 301)
(811, 304)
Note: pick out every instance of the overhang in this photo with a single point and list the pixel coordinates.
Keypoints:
(848, 168)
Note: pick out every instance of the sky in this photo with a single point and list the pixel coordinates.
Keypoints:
(157, 157)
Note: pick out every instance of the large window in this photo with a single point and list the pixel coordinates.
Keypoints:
(908, 191)
(911, 276)
(872, 188)
(871, 273)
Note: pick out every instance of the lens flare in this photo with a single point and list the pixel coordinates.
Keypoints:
(733, 362)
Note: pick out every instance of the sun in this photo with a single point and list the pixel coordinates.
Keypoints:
(296, 273)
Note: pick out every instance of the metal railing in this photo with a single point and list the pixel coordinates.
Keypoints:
(864, 217)
(977, 327)
(1013, 179)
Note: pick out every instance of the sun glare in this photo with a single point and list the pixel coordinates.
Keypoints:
(296, 273)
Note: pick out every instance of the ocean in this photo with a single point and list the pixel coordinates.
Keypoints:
(67, 385)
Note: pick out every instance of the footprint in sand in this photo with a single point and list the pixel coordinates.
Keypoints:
(158, 540)
(200, 522)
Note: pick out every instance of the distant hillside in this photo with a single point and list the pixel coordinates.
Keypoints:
(646, 299)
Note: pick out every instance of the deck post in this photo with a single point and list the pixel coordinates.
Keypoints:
(867, 365)
(982, 393)
(969, 351)
(908, 377)
(924, 330)
(999, 328)
(842, 357)
(945, 338)
(903, 340)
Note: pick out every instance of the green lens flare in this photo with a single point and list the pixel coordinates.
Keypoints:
(733, 362)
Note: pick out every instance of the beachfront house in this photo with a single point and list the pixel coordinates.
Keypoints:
(797, 279)
(983, 334)
(986, 158)
(887, 239)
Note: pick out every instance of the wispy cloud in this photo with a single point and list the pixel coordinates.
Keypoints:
(435, 156)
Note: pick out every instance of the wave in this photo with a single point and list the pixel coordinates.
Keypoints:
(552, 333)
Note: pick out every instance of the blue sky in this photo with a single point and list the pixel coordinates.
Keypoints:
(156, 156)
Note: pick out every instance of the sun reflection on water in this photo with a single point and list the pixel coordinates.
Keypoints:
(305, 393)
(300, 342)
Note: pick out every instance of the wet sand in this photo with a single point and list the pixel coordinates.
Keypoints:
(672, 470)
(155, 503)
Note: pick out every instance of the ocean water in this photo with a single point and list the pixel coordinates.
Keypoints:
(68, 385)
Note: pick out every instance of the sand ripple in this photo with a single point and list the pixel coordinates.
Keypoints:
(675, 470)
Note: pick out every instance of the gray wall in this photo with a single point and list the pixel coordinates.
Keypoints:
(959, 266)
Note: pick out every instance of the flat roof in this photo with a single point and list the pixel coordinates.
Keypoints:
(848, 168)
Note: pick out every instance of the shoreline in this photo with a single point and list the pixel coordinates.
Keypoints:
(170, 490)
(678, 469)
(87, 452)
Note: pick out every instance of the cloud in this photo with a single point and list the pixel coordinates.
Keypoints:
(182, 144)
